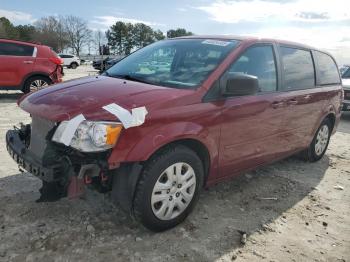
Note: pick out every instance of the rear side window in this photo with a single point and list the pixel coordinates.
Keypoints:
(298, 68)
(12, 49)
(66, 56)
(327, 69)
(258, 61)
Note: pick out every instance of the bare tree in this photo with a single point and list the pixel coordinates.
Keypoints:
(99, 40)
(50, 31)
(78, 33)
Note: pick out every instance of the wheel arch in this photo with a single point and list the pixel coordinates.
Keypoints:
(33, 74)
(196, 146)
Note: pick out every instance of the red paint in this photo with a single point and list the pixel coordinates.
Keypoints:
(240, 133)
(15, 70)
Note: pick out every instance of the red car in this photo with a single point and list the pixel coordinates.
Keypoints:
(28, 66)
(177, 116)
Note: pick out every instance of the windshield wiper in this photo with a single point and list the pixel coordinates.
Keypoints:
(131, 78)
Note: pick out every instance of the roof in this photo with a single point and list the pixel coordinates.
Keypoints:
(249, 39)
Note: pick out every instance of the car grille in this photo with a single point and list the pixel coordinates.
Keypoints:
(39, 132)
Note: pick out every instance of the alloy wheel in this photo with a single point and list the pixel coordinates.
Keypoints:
(37, 85)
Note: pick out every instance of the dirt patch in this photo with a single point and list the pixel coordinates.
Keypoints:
(288, 211)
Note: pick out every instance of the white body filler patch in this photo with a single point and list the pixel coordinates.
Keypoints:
(65, 133)
(135, 118)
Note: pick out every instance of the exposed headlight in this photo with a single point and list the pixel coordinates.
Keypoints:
(91, 136)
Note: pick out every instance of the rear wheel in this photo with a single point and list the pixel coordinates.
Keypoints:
(320, 142)
(36, 83)
(73, 65)
(168, 188)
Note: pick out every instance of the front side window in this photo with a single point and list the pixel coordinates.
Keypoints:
(181, 63)
(12, 49)
(327, 69)
(258, 61)
(298, 68)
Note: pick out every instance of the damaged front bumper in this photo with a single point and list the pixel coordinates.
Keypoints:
(25, 158)
(64, 171)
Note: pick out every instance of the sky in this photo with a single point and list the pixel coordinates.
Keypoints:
(324, 24)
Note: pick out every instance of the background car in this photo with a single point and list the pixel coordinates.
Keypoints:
(28, 66)
(346, 85)
(104, 64)
(70, 61)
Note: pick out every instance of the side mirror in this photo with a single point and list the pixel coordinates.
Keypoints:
(239, 84)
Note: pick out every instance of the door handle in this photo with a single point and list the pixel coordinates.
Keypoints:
(277, 104)
(28, 62)
(292, 102)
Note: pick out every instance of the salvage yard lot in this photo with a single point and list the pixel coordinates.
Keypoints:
(290, 211)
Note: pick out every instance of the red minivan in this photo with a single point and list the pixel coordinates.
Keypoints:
(28, 66)
(176, 116)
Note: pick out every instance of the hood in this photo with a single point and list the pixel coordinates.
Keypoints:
(88, 95)
(346, 83)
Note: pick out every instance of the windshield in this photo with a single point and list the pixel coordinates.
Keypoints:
(181, 63)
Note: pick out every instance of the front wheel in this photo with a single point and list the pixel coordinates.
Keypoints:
(320, 142)
(168, 188)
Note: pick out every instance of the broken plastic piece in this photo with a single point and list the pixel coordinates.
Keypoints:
(135, 118)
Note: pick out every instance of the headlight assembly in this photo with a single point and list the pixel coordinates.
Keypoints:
(91, 136)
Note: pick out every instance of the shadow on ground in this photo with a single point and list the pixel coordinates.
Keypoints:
(6, 97)
(94, 230)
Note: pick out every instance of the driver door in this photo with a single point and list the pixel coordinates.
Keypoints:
(251, 130)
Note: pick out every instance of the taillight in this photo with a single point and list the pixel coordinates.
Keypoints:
(56, 60)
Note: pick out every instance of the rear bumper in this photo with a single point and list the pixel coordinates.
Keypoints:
(26, 159)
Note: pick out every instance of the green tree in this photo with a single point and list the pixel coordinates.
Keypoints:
(26, 32)
(178, 32)
(123, 38)
(7, 30)
(115, 37)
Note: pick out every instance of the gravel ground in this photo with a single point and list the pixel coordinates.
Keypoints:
(288, 211)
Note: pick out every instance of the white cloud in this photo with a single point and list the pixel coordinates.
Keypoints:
(17, 16)
(107, 21)
(258, 10)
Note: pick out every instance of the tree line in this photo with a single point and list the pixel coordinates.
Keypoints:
(64, 33)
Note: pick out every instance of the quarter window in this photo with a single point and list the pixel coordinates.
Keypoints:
(298, 68)
(12, 49)
(258, 61)
(327, 69)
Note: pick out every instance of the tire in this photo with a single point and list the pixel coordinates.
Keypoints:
(320, 142)
(156, 178)
(73, 65)
(36, 83)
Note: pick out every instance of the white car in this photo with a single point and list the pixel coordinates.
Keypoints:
(346, 85)
(70, 61)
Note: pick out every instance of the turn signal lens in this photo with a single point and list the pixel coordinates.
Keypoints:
(113, 133)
